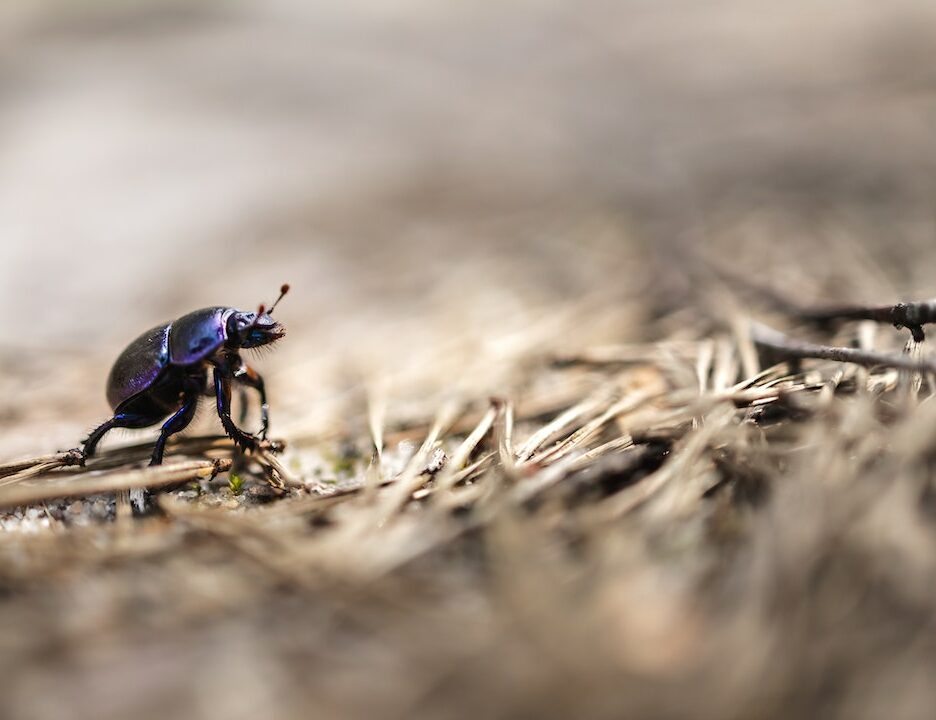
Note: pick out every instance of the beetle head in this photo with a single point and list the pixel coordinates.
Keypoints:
(253, 329)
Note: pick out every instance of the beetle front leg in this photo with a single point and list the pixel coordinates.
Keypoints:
(251, 378)
(222, 383)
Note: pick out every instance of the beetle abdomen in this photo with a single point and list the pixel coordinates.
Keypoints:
(196, 336)
(138, 366)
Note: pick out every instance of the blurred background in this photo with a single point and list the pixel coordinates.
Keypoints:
(452, 189)
(423, 172)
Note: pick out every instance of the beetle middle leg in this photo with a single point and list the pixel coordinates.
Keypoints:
(244, 405)
(251, 378)
(178, 422)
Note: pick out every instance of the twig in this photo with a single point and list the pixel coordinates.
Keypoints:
(797, 349)
(34, 466)
(902, 315)
(91, 484)
(911, 315)
(276, 472)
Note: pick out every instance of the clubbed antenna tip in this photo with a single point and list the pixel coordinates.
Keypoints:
(283, 290)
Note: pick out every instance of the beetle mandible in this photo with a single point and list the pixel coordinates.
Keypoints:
(165, 372)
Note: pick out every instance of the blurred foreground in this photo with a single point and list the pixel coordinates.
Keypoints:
(531, 203)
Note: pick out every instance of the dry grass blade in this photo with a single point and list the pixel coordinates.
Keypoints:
(503, 431)
(750, 363)
(581, 436)
(553, 428)
(452, 472)
(725, 371)
(410, 479)
(540, 404)
(678, 466)
(625, 442)
(638, 354)
(471, 472)
(704, 361)
(376, 418)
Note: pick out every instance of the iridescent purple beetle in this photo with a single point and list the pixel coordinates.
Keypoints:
(165, 372)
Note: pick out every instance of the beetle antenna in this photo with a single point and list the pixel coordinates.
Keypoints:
(262, 309)
(283, 290)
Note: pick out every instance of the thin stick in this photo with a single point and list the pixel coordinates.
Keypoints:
(42, 463)
(276, 471)
(790, 348)
(911, 315)
(152, 477)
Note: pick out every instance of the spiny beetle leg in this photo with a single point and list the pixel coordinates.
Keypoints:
(178, 422)
(222, 383)
(251, 378)
(120, 420)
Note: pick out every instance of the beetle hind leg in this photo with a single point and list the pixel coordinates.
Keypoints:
(120, 420)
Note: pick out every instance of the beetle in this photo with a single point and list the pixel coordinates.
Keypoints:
(164, 372)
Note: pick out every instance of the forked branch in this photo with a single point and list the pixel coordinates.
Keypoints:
(910, 315)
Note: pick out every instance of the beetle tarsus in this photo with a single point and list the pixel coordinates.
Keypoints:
(274, 446)
(73, 457)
